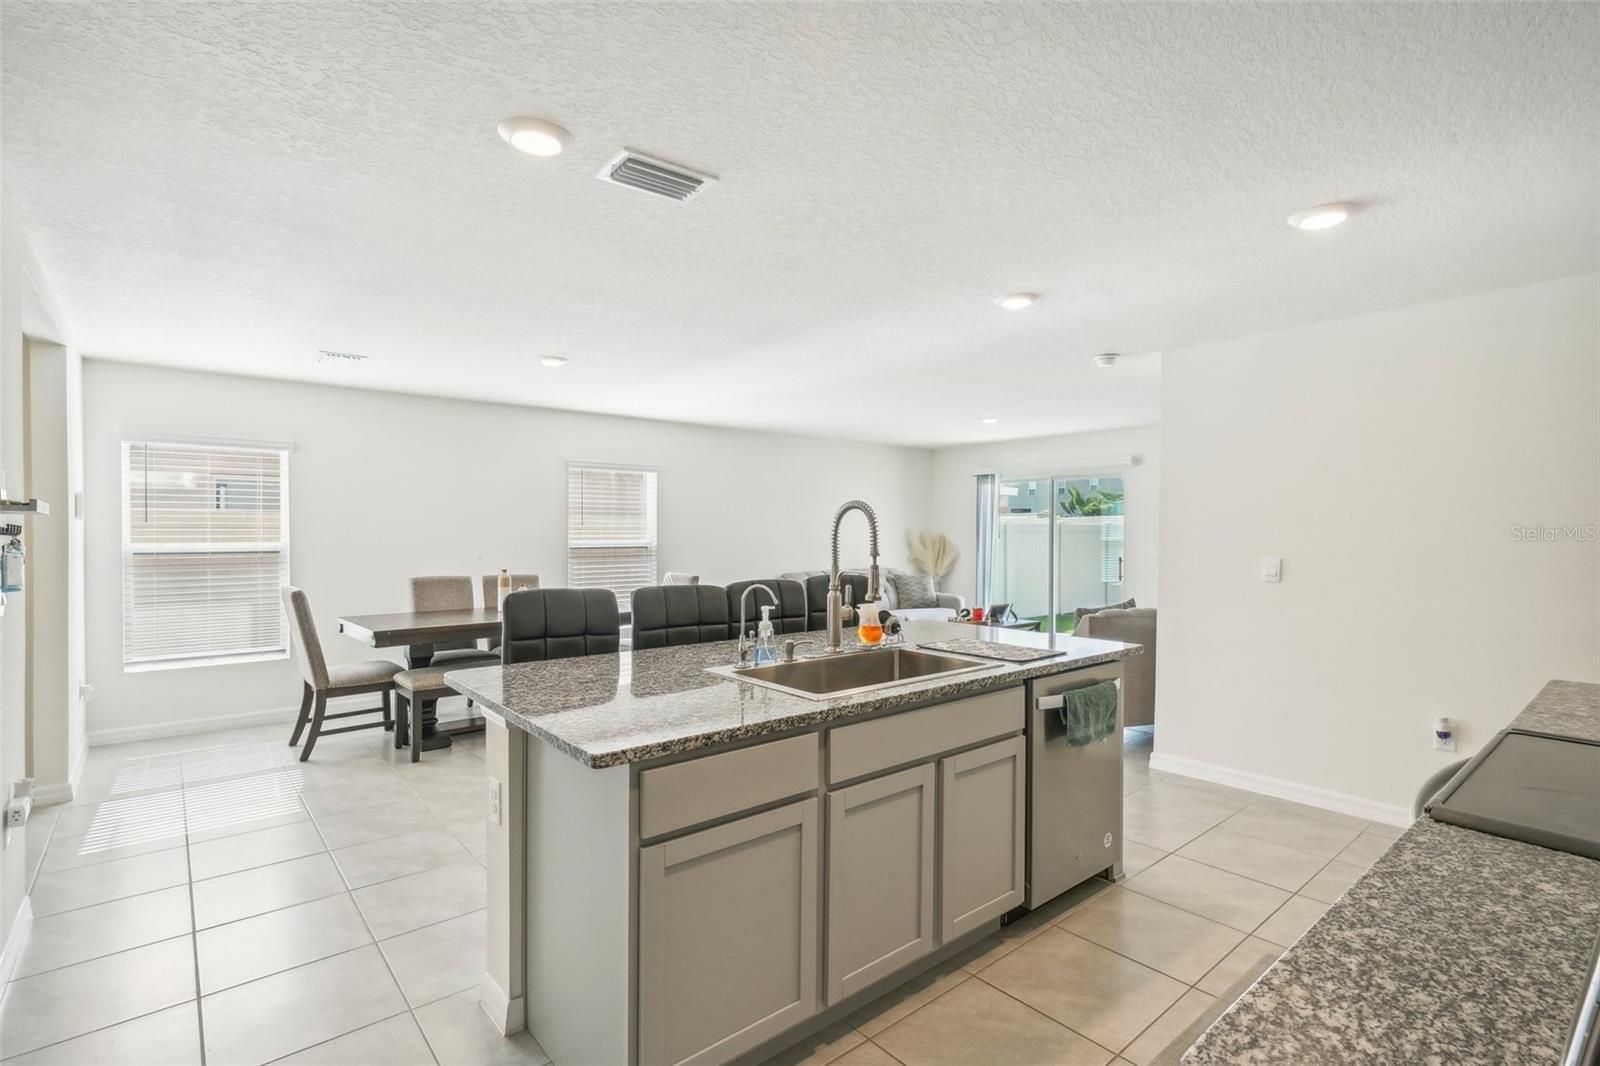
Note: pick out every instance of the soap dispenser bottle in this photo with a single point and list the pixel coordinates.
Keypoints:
(766, 647)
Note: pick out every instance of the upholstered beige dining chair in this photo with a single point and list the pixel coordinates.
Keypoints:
(322, 682)
(491, 594)
(449, 594)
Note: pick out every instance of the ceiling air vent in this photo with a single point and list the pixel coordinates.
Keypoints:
(328, 355)
(654, 176)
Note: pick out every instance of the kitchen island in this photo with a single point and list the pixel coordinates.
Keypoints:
(1456, 947)
(688, 867)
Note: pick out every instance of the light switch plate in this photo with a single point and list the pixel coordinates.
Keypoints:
(1271, 568)
(494, 801)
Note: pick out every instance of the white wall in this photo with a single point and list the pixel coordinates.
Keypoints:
(1386, 458)
(384, 486)
(953, 492)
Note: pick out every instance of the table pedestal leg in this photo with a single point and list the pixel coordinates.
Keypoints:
(419, 655)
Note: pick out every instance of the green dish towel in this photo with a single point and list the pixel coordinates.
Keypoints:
(1089, 714)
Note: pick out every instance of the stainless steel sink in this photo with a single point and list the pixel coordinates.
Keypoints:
(850, 673)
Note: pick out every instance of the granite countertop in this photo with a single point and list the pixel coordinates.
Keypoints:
(606, 710)
(1456, 947)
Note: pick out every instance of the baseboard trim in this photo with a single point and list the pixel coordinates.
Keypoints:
(1326, 798)
(12, 954)
(158, 730)
(63, 791)
(507, 1014)
(50, 795)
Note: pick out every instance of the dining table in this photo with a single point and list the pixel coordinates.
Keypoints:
(419, 632)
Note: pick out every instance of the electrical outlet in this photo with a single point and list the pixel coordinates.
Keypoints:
(494, 801)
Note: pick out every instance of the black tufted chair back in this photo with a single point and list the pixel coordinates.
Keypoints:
(669, 615)
(790, 617)
(817, 597)
(558, 624)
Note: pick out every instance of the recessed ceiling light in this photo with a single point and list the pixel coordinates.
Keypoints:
(553, 360)
(989, 421)
(1108, 359)
(536, 136)
(1323, 216)
(1017, 300)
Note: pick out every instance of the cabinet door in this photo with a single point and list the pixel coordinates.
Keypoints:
(880, 878)
(728, 936)
(983, 822)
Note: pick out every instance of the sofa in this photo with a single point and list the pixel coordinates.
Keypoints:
(1132, 626)
(816, 587)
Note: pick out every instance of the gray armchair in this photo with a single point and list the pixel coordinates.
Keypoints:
(1132, 626)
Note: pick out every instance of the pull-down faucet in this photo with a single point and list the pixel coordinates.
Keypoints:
(836, 605)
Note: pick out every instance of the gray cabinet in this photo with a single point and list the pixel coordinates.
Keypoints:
(728, 936)
(880, 878)
(982, 835)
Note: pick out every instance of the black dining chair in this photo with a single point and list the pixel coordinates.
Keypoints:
(539, 624)
(669, 615)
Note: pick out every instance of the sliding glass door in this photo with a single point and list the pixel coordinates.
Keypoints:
(1055, 544)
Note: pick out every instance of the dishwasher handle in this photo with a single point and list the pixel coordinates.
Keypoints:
(1049, 703)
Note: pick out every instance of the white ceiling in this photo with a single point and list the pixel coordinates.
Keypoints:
(234, 186)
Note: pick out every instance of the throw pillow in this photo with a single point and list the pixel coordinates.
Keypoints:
(914, 590)
(1082, 612)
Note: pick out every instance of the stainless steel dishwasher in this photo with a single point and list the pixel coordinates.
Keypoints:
(1075, 817)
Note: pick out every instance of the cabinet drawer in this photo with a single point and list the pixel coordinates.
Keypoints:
(688, 793)
(867, 747)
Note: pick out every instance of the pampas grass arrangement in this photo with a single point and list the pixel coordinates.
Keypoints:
(932, 553)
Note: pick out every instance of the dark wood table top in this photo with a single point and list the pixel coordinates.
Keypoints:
(420, 627)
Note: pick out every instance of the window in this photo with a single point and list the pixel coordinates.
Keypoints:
(611, 528)
(205, 553)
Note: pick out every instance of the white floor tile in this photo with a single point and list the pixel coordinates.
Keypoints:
(74, 1000)
(390, 857)
(392, 1042)
(104, 929)
(410, 902)
(460, 1034)
(213, 858)
(79, 850)
(439, 960)
(88, 885)
(278, 940)
(265, 888)
(299, 1008)
(168, 1037)
(391, 818)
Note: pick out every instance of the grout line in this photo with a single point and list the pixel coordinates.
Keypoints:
(103, 1028)
(194, 937)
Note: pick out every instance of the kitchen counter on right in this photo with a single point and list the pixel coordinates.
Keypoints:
(1456, 947)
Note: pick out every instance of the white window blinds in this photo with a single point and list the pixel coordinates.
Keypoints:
(205, 553)
(611, 528)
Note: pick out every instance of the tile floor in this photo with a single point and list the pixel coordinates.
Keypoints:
(1220, 883)
(211, 899)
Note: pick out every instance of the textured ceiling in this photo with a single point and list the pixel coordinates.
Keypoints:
(234, 186)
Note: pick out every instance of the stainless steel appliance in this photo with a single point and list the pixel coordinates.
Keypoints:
(1075, 819)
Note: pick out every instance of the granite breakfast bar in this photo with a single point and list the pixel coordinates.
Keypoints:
(685, 867)
(1456, 947)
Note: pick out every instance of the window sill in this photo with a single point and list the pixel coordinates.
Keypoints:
(215, 660)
